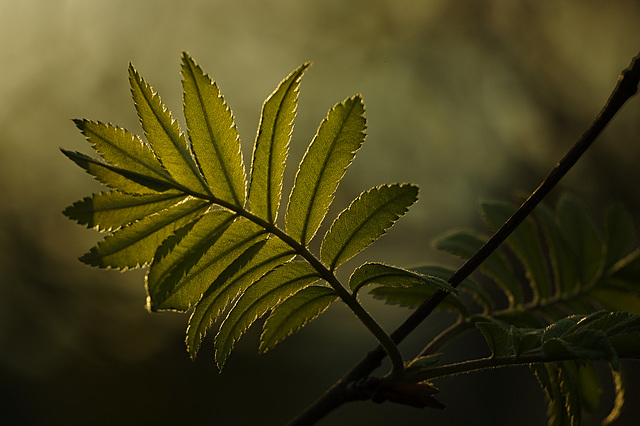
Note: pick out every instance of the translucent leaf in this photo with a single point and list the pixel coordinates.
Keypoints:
(135, 244)
(116, 178)
(111, 210)
(122, 149)
(260, 297)
(177, 280)
(294, 313)
(253, 264)
(324, 164)
(465, 244)
(213, 134)
(164, 136)
(272, 146)
(391, 276)
(364, 221)
(525, 243)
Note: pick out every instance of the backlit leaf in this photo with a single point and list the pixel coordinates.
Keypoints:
(252, 265)
(111, 210)
(272, 146)
(164, 136)
(338, 138)
(122, 149)
(294, 313)
(178, 280)
(214, 138)
(116, 178)
(391, 276)
(364, 221)
(260, 297)
(135, 244)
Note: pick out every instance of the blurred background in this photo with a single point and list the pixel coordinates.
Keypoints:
(468, 99)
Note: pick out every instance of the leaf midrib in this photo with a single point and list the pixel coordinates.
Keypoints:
(270, 215)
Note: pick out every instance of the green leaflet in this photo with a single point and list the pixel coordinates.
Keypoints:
(181, 251)
(260, 297)
(324, 164)
(116, 178)
(294, 313)
(584, 240)
(272, 146)
(413, 295)
(390, 276)
(524, 242)
(249, 267)
(122, 149)
(135, 244)
(497, 335)
(111, 210)
(364, 221)
(213, 134)
(177, 280)
(164, 136)
(563, 268)
(466, 243)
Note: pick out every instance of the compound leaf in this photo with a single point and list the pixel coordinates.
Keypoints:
(272, 146)
(333, 148)
(364, 221)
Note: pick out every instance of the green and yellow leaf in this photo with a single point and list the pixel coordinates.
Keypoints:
(324, 164)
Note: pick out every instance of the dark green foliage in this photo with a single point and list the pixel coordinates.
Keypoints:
(571, 268)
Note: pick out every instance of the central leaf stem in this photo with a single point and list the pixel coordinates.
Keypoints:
(385, 341)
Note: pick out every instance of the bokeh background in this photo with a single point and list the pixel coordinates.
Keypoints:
(469, 99)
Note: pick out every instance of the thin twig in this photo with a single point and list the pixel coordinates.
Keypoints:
(335, 396)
